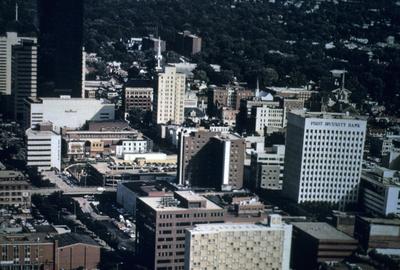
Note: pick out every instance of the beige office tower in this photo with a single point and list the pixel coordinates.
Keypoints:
(169, 97)
(239, 246)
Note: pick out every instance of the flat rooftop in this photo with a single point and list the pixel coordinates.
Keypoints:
(228, 227)
(25, 238)
(381, 221)
(36, 132)
(156, 204)
(10, 173)
(109, 126)
(327, 115)
(322, 231)
(144, 187)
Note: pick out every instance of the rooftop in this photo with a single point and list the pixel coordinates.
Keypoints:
(228, 227)
(142, 188)
(25, 238)
(67, 239)
(9, 174)
(158, 203)
(108, 126)
(381, 221)
(322, 231)
(327, 115)
(139, 84)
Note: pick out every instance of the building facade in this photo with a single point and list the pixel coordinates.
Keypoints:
(161, 224)
(61, 48)
(239, 246)
(43, 147)
(211, 159)
(169, 97)
(266, 118)
(323, 157)
(14, 189)
(380, 191)
(138, 95)
(24, 76)
(268, 168)
(67, 112)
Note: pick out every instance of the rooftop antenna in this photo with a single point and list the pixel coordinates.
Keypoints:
(16, 11)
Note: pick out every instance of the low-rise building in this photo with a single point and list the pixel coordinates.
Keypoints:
(375, 233)
(14, 189)
(317, 242)
(380, 191)
(42, 251)
(67, 112)
(239, 246)
(43, 147)
(268, 167)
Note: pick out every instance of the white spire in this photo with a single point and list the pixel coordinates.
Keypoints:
(257, 88)
(16, 11)
(159, 56)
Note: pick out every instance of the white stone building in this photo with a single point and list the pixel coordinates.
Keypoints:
(43, 147)
(267, 117)
(239, 246)
(323, 157)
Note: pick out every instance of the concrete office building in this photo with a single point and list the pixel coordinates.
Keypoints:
(211, 159)
(67, 112)
(169, 97)
(380, 191)
(267, 168)
(267, 119)
(323, 157)
(24, 76)
(161, 224)
(60, 56)
(6, 48)
(239, 246)
(138, 95)
(319, 242)
(373, 233)
(14, 189)
(43, 147)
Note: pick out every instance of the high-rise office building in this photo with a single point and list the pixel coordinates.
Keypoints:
(211, 159)
(60, 51)
(161, 224)
(24, 75)
(323, 157)
(239, 246)
(169, 97)
(6, 44)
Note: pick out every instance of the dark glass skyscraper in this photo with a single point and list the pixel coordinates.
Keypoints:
(60, 48)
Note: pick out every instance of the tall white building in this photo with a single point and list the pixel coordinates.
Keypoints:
(43, 147)
(323, 157)
(239, 246)
(67, 112)
(24, 75)
(169, 97)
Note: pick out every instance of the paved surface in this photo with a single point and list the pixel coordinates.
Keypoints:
(66, 188)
